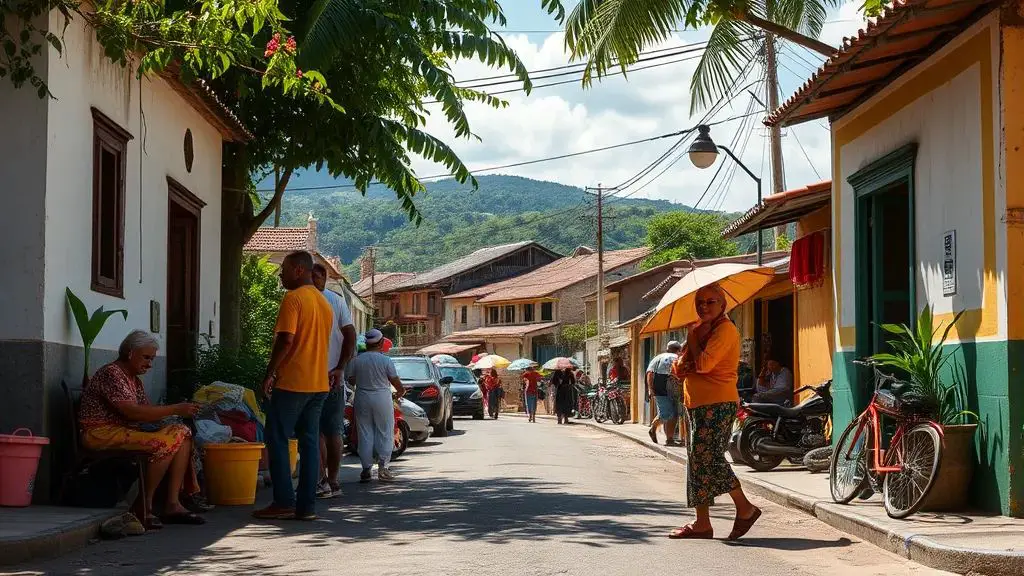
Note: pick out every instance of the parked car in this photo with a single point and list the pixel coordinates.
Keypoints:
(467, 399)
(429, 390)
(416, 418)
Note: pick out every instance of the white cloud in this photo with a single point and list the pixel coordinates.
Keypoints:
(567, 118)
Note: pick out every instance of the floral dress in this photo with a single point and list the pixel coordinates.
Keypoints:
(104, 429)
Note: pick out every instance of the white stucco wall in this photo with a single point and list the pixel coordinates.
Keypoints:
(82, 78)
(946, 125)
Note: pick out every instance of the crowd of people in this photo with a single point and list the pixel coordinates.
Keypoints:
(312, 356)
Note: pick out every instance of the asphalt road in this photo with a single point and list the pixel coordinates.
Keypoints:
(498, 497)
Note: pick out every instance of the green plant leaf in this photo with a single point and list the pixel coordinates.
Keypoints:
(99, 319)
(81, 316)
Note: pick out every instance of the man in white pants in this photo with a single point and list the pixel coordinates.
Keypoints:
(372, 374)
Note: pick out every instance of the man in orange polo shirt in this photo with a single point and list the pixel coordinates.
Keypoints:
(297, 385)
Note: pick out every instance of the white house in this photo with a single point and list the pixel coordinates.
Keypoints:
(113, 189)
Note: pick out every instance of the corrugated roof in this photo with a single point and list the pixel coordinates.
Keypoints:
(469, 262)
(446, 348)
(782, 208)
(279, 239)
(383, 282)
(481, 334)
(904, 35)
(553, 277)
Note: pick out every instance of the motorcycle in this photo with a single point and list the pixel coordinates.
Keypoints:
(352, 436)
(772, 432)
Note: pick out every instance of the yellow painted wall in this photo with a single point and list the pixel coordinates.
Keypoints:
(815, 333)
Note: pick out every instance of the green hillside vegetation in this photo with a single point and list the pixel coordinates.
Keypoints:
(458, 220)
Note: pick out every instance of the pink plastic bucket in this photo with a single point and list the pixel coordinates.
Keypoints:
(19, 459)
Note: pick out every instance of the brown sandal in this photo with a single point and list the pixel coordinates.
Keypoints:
(688, 533)
(742, 526)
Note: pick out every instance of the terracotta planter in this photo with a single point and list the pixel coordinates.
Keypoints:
(950, 491)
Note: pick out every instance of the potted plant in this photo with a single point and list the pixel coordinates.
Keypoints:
(89, 326)
(919, 355)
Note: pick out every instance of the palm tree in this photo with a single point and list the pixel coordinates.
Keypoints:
(613, 33)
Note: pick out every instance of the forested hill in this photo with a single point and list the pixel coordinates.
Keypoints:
(458, 220)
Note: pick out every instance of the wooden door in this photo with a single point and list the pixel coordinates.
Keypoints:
(183, 237)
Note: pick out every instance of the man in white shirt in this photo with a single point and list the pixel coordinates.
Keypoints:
(774, 384)
(332, 417)
(664, 387)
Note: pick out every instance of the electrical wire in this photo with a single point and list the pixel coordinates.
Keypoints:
(806, 156)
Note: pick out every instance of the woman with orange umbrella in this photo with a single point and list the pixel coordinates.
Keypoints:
(708, 369)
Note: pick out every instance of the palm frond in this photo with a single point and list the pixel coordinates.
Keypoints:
(611, 33)
(726, 57)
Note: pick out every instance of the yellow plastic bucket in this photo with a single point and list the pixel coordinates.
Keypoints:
(293, 455)
(230, 471)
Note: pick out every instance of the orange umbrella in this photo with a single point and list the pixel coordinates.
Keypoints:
(677, 308)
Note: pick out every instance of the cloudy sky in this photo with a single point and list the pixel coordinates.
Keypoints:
(568, 118)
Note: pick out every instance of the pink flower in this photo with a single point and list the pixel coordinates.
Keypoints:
(290, 45)
(273, 46)
(298, 73)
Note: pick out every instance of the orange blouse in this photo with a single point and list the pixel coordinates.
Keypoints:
(710, 377)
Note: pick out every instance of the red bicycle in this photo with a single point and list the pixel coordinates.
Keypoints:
(907, 468)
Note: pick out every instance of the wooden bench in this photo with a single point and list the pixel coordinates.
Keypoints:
(82, 458)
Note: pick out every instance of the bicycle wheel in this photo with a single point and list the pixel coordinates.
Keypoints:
(848, 468)
(921, 453)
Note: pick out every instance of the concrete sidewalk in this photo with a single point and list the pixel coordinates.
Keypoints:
(962, 543)
(48, 531)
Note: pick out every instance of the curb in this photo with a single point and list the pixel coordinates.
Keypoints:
(54, 542)
(919, 548)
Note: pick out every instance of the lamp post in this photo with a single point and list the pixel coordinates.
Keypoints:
(703, 152)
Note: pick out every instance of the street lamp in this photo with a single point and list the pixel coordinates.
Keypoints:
(703, 152)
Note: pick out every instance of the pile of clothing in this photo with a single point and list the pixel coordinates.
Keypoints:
(231, 414)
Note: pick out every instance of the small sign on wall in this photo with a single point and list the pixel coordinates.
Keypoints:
(949, 263)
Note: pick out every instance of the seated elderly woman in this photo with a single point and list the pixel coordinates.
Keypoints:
(114, 413)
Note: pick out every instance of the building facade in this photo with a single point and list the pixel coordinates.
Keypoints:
(113, 191)
(927, 205)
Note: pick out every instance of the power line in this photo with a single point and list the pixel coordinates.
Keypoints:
(682, 49)
(514, 164)
(806, 156)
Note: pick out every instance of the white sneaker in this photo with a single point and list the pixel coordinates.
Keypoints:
(385, 475)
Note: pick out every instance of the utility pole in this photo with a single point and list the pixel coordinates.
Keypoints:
(277, 211)
(371, 253)
(600, 264)
(774, 132)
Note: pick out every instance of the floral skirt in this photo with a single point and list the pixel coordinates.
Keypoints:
(161, 444)
(708, 474)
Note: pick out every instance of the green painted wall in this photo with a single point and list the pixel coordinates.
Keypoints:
(994, 373)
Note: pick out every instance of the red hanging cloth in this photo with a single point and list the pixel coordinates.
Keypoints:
(807, 260)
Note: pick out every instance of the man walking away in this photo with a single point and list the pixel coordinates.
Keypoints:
(340, 351)
(660, 382)
(373, 374)
(296, 383)
(774, 384)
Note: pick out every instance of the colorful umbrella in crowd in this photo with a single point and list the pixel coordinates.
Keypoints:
(477, 357)
(561, 363)
(739, 282)
(444, 359)
(521, 364)
(492, 361)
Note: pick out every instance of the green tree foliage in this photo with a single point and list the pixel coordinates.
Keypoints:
(574, 336)
(261, 298)
(246, 363)
(687, 235)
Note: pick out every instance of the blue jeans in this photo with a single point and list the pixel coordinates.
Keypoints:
(531, 404)
(298, 414)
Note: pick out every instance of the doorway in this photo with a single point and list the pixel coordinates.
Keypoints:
(183, 235)
(886, 275)
(774, 320)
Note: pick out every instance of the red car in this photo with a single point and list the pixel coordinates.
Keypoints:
(352, 436)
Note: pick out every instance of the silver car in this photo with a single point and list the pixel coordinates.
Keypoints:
(416, 418)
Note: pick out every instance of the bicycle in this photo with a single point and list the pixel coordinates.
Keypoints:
(907, 468)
